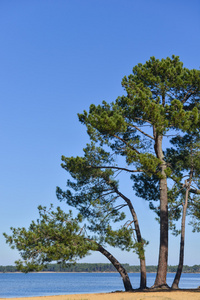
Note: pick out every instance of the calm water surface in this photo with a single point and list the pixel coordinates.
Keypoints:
(45, 284)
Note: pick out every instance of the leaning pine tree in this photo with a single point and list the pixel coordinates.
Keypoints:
(56, 236)
(161, 97)
(95, 192)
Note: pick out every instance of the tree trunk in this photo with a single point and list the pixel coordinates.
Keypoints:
(182, 243)
(118, 266)
(143, 274)
(161, 276)
(143, 280)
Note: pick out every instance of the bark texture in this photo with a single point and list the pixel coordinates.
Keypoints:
(176, 281)
(143, 281)
(161, 276)
(118, 266)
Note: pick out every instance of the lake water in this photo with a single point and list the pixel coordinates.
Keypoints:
(45, 284)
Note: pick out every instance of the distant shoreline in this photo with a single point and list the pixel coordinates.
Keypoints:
(99, 268)
(62, 272)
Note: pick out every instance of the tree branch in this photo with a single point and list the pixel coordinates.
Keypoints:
(118, 266)
(142, 131)
(187, 96)
(194, 191)
(140, 119)
(114, 167)
(126, 143)
(116, 208)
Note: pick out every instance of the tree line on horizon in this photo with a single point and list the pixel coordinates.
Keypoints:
(152, 134)
(101, 267)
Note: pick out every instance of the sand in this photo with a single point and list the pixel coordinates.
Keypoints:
(163, 295)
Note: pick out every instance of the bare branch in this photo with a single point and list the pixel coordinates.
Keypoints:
(195, 191)
(140, 119)
(116, 208)
(115, 167)
(126, 143)
(118, 173)
(188, 95)
(107, 194)
(128, 223)
(142, 131)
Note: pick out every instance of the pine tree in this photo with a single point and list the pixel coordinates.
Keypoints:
(161, 96)
(56, 236)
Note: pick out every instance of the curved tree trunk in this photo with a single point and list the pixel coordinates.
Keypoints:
(143, 275)
(143, 280)
(118, 266)
(182, 243)
(161, 276)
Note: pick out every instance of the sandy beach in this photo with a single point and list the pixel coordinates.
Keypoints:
(163, 295)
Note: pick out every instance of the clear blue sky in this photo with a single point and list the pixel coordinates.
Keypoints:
(58, 57)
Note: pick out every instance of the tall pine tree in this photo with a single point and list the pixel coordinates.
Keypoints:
(161, 97)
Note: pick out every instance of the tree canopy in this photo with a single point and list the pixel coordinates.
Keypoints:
(161, 100)
(55, 236)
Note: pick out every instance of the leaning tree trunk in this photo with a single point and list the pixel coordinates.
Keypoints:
(182, 243)
(143, 274)
(143, 280)
(118, 266)
(161, 276)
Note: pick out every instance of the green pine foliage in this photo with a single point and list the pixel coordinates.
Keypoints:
(129, 135)
(163, 97)
(55, 236)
